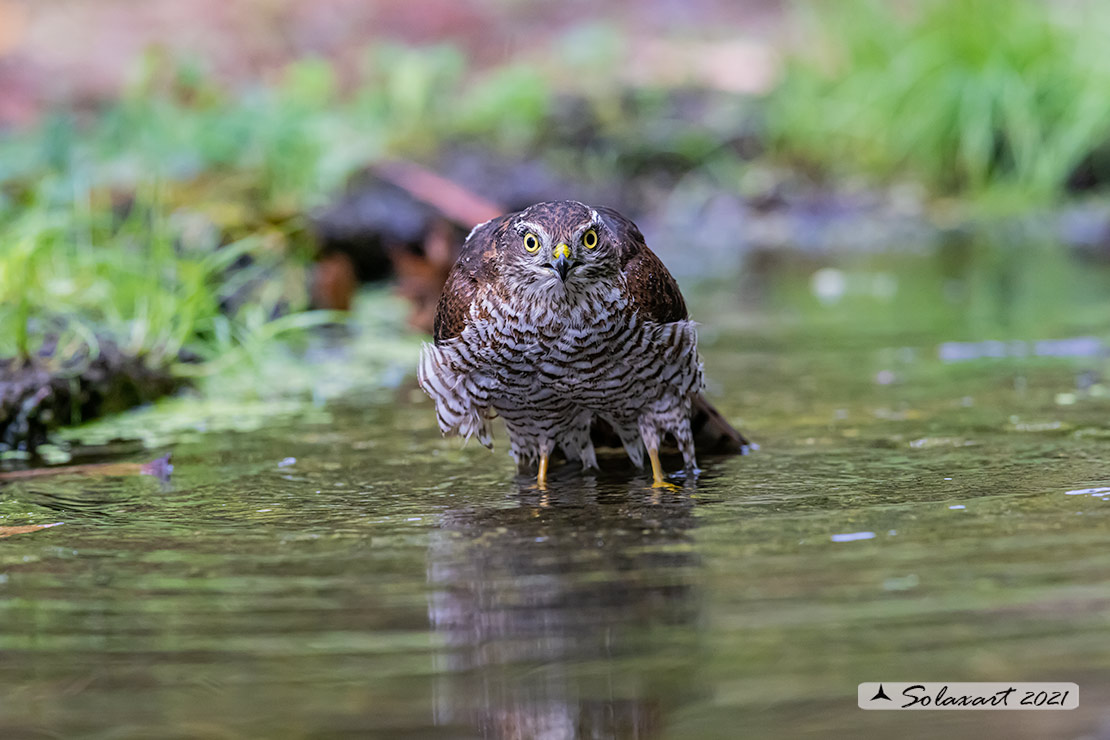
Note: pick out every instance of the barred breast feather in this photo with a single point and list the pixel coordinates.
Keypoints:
(549, 380)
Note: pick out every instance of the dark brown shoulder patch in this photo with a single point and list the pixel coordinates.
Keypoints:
(477, 264)
(653, 290)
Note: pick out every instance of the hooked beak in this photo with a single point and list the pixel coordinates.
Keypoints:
(561, 263)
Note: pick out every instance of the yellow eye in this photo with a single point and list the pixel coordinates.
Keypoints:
(589, 239)
(531, 243)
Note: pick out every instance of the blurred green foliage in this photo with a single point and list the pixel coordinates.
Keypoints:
(968, 95)
(72, 273)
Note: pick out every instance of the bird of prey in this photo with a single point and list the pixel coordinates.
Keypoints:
(559, 319)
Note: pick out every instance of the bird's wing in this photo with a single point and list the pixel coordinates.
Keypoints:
(477, 265)
(655, 294)
(653, 291)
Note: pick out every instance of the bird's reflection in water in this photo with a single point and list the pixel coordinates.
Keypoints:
(566, 612)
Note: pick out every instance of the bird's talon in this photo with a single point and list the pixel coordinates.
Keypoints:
(657, 472)
(541, 476)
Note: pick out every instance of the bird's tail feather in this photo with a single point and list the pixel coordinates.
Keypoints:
(712, 433)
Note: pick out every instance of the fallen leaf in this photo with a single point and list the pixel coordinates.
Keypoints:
(25, 529)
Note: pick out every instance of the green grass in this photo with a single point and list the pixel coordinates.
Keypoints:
(965, 95)
(153, 278)
(99, 238)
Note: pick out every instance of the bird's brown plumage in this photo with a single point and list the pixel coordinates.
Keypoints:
(604, 341)
(477, 264)
(653, 291)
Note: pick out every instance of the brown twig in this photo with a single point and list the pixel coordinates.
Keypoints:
(159, 467)
(452, 200)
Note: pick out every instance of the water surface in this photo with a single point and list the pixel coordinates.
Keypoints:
(347, 573)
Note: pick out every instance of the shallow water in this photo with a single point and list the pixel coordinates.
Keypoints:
(349, 573)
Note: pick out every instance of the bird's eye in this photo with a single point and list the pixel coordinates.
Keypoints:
(589, 239)
(531, 242)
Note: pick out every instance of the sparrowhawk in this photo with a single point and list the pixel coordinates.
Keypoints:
(559, 319)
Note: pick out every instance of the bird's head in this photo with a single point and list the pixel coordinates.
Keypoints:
(559, 247)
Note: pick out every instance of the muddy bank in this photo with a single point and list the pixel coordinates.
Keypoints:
(40, 394)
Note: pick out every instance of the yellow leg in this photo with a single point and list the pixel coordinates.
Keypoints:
(657, 471)
(541, 478)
